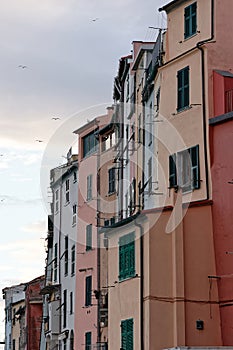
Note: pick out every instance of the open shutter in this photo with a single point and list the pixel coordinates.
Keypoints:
(172, 171)
(195, 173)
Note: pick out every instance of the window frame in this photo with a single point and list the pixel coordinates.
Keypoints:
(66, 255)
(67, 185)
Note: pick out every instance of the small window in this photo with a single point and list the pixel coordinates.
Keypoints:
(66, 256)
(56, 201)
(172, 171)
(75, 177)
(106, 222)
(88, 341)
(73, 260)
(88, 237)
(67, 191)
(112, 221)
(55, 262)
(89, 187)
(190, 20)
(150, 175)
(150, 123)
(74, 219)
(183, 88)
(111, 180)
(127, 256)
(71, 303)
(88, 291)
(127, 335)
(64, 307)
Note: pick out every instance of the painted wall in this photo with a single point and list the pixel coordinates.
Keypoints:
(177, 289)
(124, 296)
(222, 170)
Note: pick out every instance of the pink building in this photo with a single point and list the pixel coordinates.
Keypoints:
(86, 304)
(221, 129)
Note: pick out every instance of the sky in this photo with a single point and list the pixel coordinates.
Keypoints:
(58, 59)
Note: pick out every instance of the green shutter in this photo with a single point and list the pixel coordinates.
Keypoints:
(127, 334)
(88, 341)
(183, 88)
(190, 20)
(127, 256)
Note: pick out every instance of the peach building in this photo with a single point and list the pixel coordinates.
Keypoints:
(86, 304)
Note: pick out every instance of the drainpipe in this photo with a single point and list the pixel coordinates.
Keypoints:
(141, 284)
(199, 46)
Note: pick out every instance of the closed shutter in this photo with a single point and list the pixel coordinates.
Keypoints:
(127, 334)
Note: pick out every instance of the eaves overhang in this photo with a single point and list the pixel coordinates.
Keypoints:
(171, 5)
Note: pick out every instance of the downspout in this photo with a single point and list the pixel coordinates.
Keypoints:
(141, 284)
(199, 46)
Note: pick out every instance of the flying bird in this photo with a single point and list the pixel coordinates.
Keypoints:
(1, 155)
(56, 118)
(2, 200)
(95, 19)
(39, 141)
(22, 66)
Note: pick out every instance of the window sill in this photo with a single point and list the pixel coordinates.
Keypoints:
(126, 278)
(110, 194)
(190, 36)
(75, 224)
(183, 109)
(66, 204)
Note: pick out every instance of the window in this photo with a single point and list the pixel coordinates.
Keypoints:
(111, 181)
(75, 176)
(172, 171)
(89, 144)
(140, 129)
(89, 187)
(132, 193)
(55, 262)
(14, 348)
(88, 341)
(14, 311)
(74, 219)
(64, 307)
(184, 169)
(71, 303)
(157, 99)
(88, 291)
(73, 260)
(67, 191)
(150, 175)
(64, 344)
(127, 334)
(106, 222)
(56, 201)
(126, 256)
(150, 124)
(88, 237)
(66, 255)
(190, 20)
(183, 88)
(112, 220)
